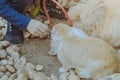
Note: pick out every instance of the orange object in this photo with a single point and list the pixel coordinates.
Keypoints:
(46, 12)
(62, 8)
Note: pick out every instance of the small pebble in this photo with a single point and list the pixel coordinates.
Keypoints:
(30, 66)
(53, 77)
(64, 76)
(4, 62)
(3, 54)
(15, 55)
(47, 22)
(5, 43)
(3, 69)
(39, 67)
(40, 76)
(8, 73)
(10, 61)
(13, 76)
(23, 60)
(1, 74)
(22, 77)
(5, 77)
(10, 68)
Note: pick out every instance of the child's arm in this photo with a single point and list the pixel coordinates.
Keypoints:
(13, 16)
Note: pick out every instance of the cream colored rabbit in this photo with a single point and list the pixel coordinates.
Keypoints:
(92, 57)
(109, 30)
(88, 13)
(63, 32)
(99, 18)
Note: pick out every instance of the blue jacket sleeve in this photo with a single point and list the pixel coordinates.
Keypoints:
(13, 16)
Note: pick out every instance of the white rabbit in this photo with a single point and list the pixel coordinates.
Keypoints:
(89, 13)
(91, 57)
(63, 32)
(109, 29)
(98, 18)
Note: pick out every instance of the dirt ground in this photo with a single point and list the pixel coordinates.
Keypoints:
(36, 52)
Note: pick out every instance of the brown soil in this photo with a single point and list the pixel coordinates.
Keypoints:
(36, 52)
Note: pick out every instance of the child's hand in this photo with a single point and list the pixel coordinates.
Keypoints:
(64, 2)
(37, 28)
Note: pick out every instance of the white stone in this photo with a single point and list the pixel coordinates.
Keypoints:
(12, 49)
(3, 69)
(1, 38)
(31, 70)
(5, 43)
(22, 70)
(48, 78)
(15, 55)
(2, 22)
(31, 73)
(1, 74)
(10, 61)
(72, 76)
(39, 67)
(8, 73)
(53, 77)
(40, 76)
(10, 79)
(5, 77)
(16, 61)
(72, 72)
(64, 76)
(19, 66)
(62, 70)
(23, 60)
(3, 31)
(10, 68)
(13, 76)
(3, 54)
(30, 66)
(1, 47)
(22, 77)
(30, 55)
(4, 62)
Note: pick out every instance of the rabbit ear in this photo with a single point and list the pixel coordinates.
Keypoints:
(78, 32)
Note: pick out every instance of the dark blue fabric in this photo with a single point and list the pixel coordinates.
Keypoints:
(11, 15)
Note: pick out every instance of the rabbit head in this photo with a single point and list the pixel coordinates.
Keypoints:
(60, 32)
